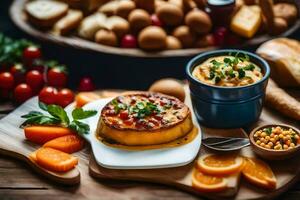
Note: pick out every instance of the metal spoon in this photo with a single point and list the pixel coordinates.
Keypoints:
(225, 143)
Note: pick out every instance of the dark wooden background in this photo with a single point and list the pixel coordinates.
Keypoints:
(17, 181)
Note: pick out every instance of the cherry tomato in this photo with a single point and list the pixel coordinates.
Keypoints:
(18, 72)
(6, 80)
(129, 41)
(35, 80)
(64, 97)
(124, 114)
(128, 121)
(156, 21)
(22, 92)
(48, 95)
(30, 54)
(57, 78)
(86, 84)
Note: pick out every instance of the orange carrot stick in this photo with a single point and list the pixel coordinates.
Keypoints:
(67, 144)
(55, 160)
(42, 134)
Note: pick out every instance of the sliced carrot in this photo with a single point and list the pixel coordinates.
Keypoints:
(67, 144)
(42, 134)
(55, 160)
(83, 98)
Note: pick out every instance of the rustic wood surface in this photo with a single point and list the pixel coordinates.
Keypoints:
(19, 181)
(19, 18)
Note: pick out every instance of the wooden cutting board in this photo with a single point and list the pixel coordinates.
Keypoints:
(180, 177)
(13, 143)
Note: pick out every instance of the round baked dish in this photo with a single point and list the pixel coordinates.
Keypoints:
(144, 119)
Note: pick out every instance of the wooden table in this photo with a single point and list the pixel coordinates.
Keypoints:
(18, 181)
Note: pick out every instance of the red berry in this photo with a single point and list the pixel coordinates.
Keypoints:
(156, 21)
(30, 54)
(22, 92)
(64, 97)
(18, 72)
(129, 41)
(86, 84)
(35, 80)
(57, 77)
(220, 36)
(48, 95)
(6, 80)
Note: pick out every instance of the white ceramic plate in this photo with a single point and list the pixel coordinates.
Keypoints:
(114, 158)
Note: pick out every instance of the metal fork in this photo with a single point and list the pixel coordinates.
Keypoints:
(225, 143)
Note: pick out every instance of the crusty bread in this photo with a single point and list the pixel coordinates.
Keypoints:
(68, 22)
(44, 13)
(283, 55)
(90, 25)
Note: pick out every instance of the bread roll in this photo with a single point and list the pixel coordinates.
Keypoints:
(68, 22)
(186, 36)
(283, 55)
(91, 24)
(45, 13)
(106, 37)
(109, 8)
(118, 25)
(286, 11)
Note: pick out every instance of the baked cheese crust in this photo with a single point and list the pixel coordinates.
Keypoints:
(144, 119)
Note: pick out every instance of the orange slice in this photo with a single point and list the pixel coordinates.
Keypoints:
(55, 160)
(222, 164)
(259, 173)
(208, 183)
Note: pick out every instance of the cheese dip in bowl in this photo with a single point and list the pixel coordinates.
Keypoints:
(227, 87)
(228, 71)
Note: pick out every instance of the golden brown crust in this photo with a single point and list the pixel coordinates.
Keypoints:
(183, 108)
(168, 120)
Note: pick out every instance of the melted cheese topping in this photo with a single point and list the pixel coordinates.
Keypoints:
(215, 71)
(147, 111)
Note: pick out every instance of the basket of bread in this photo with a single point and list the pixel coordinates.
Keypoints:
(156, 28)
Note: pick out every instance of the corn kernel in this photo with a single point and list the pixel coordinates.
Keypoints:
(285, 146)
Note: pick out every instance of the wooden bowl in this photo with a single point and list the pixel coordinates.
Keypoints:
(19, 18)
(271, 154)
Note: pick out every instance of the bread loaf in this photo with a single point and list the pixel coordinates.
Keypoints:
(283, 55)
(68, 22)
(90, 25)
(45, 14)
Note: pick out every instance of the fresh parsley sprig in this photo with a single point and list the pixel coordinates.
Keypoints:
(58, 116)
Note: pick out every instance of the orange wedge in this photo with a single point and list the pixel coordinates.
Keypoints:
(208, 183)
(220, 165)
(55, 160)
(83, 98)
(259, 173)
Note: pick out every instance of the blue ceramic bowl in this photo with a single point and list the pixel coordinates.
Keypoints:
(227, 107)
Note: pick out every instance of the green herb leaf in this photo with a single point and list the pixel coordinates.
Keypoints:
(43, 106)
(217, 79)
(79, 113)
(268, 130)
(216, 63)
(79, 127)
(241, 73)
(231, 73)
(250, 67)
(58, 112)
(40, 120)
